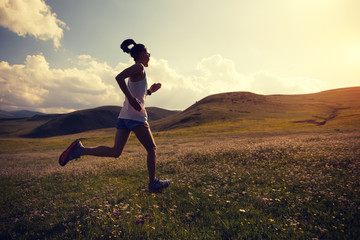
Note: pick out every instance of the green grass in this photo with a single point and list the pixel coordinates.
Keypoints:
(229, 186)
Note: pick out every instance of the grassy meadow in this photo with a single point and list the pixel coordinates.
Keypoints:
(225, 185)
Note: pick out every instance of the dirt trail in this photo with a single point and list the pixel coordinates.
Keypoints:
(332, 115)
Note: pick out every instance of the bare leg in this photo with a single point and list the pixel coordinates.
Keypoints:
(145, 137)
(121, 138)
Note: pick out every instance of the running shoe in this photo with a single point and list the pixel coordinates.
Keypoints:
(72, 152)
(158, 185)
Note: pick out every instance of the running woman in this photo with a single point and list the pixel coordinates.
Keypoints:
(132, 117)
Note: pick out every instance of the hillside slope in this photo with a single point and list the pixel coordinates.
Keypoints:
(18, 114)
(316, 109)
(48, 125)
(85, 120)
(244, 111)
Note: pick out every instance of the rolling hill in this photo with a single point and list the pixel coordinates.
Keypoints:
(338, 106)
(18, 114)
(334, 109)
(49, 125)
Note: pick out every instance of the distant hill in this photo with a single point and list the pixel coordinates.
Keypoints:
(316, 109)
(48, 125)
(85, 120)
(338, 108)
(18, 114)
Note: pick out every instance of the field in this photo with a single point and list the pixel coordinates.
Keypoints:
(225, 185)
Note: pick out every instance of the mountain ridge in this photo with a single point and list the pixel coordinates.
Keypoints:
(314, 108)
(49, 125)
(18, 114)
(332, 108)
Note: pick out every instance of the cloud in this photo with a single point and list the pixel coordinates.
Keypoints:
(90, 83)
(267, 83)
(211, 75)
(177, 91)
(216, 74)
(31, 17)
(34, 85)
(220, 75)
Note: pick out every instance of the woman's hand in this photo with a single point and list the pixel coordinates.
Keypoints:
(155, 87)
(135, 103)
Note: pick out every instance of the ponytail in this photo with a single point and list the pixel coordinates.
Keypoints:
(135, 50)
(125, 45)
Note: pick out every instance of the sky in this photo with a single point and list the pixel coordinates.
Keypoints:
(61, 56)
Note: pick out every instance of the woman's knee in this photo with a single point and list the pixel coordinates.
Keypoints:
(116, 153)
(151, 150)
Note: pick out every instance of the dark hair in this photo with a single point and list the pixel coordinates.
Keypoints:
(135, 50)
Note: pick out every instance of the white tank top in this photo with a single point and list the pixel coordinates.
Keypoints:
(138, 90)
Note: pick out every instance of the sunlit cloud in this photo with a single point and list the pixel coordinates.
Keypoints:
(216, 74)
(34, 85)
(220, 75)
(267, 83)
(32, 17)
(90, 83)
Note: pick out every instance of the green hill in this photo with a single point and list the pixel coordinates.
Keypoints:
(18, 114)
(339, 107)
(48, 125)
(234, 111)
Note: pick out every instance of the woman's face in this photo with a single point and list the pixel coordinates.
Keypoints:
(145, 58)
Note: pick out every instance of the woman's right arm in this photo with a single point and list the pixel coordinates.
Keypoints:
(120, 78)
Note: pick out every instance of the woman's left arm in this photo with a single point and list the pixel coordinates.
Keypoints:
(154, 87)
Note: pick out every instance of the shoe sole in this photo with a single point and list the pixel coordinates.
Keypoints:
(158, 190)
(64, 156)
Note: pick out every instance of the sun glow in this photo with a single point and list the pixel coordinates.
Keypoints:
(354, 53)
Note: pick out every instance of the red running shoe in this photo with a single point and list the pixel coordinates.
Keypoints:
(158, 185)
(68, 154)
